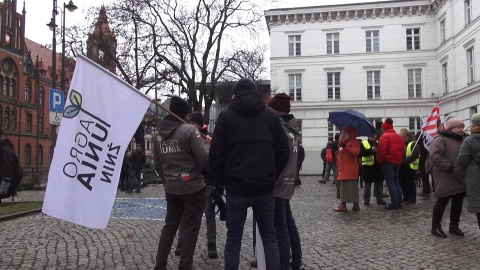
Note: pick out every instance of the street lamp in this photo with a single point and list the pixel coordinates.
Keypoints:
(70, 7)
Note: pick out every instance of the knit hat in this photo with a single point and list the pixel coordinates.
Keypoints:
(243, 84)
(388, 124)
(453, 123)
(197, 118)
(475, 119)
(179, 106)
(280, 102)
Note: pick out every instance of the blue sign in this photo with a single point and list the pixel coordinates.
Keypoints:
(56, 100)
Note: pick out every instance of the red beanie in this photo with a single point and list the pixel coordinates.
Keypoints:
(387, 124)
(280, 102)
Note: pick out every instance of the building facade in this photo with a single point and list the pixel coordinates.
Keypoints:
(385, 59)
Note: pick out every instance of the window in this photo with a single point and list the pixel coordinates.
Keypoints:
(39, 155)
(413, 39)
(13, 124)
(28, 123)
(471, 65)
(373, 41)
(6, 119)
(28, 91)
(373, 84)
(294, 45)
(3, 91)
(6, 83)
(40, 125)
(468, 12)
(333, 87)
(40, 96)
(332, 130)
(333, 43)
(28, 154)
(414, 83)
(295, 86)
(11, 91)
(443, 34)
(414, 125)
(445, 78)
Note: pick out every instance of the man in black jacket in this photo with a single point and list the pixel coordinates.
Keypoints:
(249, 150)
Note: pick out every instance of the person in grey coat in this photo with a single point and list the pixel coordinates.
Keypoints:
(469, 159)
(449, 177)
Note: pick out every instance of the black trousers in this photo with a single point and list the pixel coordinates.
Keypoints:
(406, 180)
(455, 210)
(425, 177)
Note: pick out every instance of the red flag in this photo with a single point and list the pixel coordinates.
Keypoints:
(430, 126)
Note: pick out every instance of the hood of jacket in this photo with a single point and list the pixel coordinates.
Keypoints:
(290, 122)
(247, 103)
(451, 134)
(167, 126)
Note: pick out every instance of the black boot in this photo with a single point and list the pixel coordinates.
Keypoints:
(178, 248)
(455, 230)
(437, 231)
(212, 251)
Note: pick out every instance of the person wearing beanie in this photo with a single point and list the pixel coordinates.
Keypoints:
(449, 176)
(390, 151)
(469, 159)
(179, 154)
(196, 119)
(285, 226)
(248, 153)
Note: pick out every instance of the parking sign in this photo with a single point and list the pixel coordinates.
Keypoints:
(56, 104)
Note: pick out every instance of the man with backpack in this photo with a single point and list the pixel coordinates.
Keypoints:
(10, 172)
(330, 155)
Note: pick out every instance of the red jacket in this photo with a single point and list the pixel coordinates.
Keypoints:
(347, 158)
(390, 147)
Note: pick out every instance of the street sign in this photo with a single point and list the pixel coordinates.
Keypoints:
(56, 104)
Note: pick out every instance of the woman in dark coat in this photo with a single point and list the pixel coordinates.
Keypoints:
(469, 158)
(449, 176)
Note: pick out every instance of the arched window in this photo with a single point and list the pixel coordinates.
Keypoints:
(6, 83)
(28, 91)
(40, 125)
(28, 123)
(12, 88)
(28, 154)
(3, 91)
(6, 119)
(39, 155)
(40, 96)
(13, 124)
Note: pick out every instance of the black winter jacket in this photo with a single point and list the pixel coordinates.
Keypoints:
(249, 147)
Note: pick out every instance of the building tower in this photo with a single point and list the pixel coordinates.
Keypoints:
(102, 43)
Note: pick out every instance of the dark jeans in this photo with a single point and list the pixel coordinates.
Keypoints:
(390, 172)
(425, 177)
(189, 208)
(209, 219)
(455, 210)
(295, 244)
(407, 183)
(135, 174)
(263, 212)
(281, 230)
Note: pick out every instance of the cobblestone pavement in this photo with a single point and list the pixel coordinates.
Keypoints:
(370, 239)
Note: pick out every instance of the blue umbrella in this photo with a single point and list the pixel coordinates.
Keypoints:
(353, 118)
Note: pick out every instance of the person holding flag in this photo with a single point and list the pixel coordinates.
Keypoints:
(179, 153)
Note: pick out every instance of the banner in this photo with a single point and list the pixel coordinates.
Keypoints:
(430, 126)
(100, 117)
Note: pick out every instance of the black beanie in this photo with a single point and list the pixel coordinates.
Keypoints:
(243, 84)
(280, 102)
(179, 106)
(197, 118)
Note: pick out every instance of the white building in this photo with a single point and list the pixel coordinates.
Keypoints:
(384, 59)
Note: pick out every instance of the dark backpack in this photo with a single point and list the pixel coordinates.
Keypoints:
(10, 173)
(329, 155)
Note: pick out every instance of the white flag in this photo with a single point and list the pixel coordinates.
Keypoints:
(101, 115)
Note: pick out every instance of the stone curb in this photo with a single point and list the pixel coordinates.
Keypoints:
(20, 214)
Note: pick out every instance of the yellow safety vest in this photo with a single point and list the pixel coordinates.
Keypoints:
(368, 160)
(414, 164)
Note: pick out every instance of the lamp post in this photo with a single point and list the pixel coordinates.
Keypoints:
(70, 7)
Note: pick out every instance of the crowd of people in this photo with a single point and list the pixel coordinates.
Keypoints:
(450, 166)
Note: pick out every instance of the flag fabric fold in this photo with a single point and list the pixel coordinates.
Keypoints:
(100, 117)
(429, 126)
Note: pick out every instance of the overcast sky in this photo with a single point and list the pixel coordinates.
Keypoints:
(39, 13)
